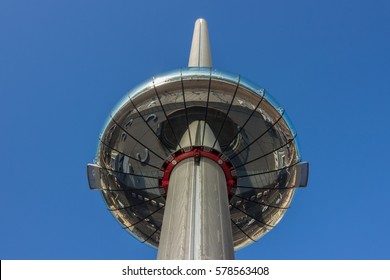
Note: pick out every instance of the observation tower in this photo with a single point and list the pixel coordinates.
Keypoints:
(198, 162)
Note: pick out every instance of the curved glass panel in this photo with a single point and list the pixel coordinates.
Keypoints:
(145, 129)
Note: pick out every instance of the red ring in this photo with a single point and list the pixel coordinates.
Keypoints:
(197, 152)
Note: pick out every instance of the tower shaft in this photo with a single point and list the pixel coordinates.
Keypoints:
(196, 221)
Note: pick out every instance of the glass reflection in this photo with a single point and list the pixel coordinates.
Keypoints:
(252, 130)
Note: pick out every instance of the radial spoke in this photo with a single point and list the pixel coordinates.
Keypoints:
(261, 203)
(265, 188)
(166, 116)
(150, 236)
(185, 106)
(243, 126)
(228, 111)
(254, 141)
(243, 231)
(133, 189)
(131, 206)
(274, 150)
(143, 219)
(135, 139)
(251, 216)
(130, 174)
(151, 129)
(270, 171)
(207, 109)
(151, 165)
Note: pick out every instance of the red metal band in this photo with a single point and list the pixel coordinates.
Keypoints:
(198, 152)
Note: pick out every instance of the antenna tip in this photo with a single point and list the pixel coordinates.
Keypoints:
(200, 55)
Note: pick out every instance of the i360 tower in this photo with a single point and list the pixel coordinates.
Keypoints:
(198, 162)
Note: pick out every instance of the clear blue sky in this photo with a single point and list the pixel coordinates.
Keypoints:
(65, 64)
